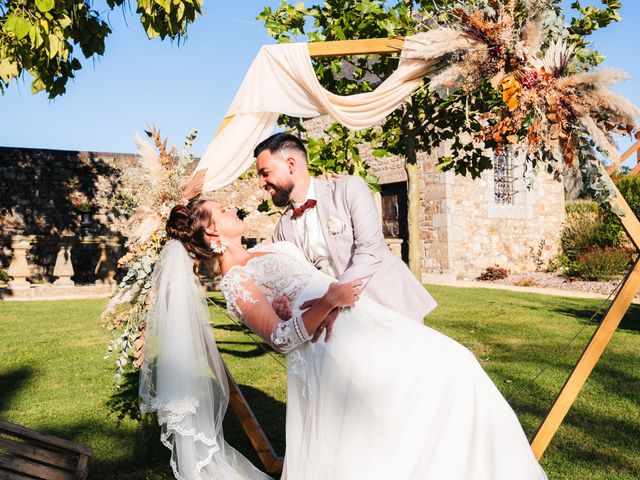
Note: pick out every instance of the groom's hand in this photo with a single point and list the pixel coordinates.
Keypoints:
(326, 325)
(282, 307)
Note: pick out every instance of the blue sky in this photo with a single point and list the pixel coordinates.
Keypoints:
(179, 87)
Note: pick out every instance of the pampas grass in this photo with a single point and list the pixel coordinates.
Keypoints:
(150, 161)
(544, 105)
(435, 44)
(602, 78)
(600, 138)
(617, 104)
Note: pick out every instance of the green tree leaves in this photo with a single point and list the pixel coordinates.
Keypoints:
(168, 18)
(17, 25)
(44, 5)
(8, 70)
(42, 37)
(591, 18)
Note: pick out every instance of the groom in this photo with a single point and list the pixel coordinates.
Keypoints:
(337, 226)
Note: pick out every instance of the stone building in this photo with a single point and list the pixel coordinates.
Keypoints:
(468, 225)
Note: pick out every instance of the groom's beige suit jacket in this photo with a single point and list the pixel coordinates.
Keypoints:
(352, 229)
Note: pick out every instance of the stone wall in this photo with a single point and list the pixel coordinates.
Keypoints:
(40, 193)
(40, 189)
(522, 236)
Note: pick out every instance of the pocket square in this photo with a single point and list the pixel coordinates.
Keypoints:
(335, 225)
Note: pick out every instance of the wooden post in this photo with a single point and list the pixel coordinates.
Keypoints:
(271, 461)
(599, 340)
(367, 46)
(616, 166)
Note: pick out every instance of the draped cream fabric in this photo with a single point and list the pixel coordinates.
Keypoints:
(280, 80)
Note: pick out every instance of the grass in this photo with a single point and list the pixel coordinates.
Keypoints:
(53, 378)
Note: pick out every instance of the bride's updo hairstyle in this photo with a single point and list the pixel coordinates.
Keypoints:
(187, 223)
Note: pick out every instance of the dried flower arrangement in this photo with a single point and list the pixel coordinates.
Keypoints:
(559, 114)
(162, 174)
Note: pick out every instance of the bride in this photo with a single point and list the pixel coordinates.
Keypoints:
(385, 398)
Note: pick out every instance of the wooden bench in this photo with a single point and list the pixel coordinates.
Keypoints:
(27, 454)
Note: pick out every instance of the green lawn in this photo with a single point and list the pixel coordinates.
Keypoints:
(53, 378)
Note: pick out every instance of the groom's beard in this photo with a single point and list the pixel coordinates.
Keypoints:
(280, 195)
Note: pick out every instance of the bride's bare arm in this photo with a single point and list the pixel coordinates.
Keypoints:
(258, 314)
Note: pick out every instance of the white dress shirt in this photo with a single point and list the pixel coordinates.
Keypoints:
(310, 231)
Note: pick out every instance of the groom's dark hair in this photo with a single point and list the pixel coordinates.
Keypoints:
(278, 142)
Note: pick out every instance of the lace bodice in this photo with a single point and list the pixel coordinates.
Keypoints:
(281, 270)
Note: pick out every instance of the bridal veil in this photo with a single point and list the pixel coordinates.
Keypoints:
(183, 378)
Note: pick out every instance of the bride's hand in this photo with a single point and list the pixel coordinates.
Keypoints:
(282, 307)
(344, 294)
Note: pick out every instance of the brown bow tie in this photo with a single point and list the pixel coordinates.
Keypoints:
(300, 210)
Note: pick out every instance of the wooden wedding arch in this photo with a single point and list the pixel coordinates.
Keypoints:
(592, 351)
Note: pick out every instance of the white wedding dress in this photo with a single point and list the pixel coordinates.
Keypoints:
(385, 398)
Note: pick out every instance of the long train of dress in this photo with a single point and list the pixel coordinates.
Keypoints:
(386, 397)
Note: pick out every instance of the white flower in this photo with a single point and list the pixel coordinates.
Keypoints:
(335, 225)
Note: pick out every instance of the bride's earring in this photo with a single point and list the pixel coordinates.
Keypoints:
(218, 247)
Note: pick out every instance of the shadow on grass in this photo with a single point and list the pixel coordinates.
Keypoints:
(231, 327)
(219, 301)
(146, 453)
(586, 438)
(11, 383)
(271, 415)
(123, 402)
(258, 350)
(253, 353)
(630, 322)
(149, 457)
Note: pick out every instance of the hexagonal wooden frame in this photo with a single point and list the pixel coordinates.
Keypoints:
(590, 355)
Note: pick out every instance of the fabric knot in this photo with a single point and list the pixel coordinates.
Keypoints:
(301, 209)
